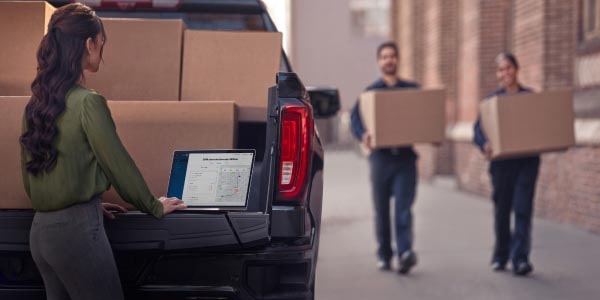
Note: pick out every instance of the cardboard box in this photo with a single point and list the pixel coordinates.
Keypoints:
(152, 130)
(239, 66)
(22, 27)
(142, 60)
(11, 181)
(404, 117)
(529, 123)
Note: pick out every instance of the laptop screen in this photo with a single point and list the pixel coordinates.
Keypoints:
(211, 178)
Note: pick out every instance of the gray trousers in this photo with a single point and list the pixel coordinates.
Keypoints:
(73, 255)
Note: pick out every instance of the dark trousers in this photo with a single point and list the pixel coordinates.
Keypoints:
(73, 255)
(393, 175)
(514, 184)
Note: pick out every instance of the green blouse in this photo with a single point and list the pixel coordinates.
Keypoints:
(90, 158)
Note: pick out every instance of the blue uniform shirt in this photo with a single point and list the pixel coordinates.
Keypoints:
(479, 138)
(356, 124)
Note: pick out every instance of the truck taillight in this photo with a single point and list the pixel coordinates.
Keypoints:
(295, 155)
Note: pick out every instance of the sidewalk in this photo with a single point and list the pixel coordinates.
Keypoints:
(453, 232)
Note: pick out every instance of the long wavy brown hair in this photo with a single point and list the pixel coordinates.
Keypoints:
(60, 67)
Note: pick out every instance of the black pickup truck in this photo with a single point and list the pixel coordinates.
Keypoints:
(269, 250)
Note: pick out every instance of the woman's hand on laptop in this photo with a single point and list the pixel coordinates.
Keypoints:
(171, 204)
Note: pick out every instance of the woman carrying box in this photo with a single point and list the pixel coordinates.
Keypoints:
(513, 182)
(71, 154)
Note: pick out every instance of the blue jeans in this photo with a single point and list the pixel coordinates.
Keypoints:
(393, 175)
(514, 184)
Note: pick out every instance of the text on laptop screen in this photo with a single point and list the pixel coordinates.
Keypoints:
(211, 179)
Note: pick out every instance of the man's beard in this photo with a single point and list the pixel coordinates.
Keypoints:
(389, 70)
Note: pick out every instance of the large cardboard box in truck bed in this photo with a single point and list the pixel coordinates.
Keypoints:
(22, 27)
(142, 60)
(404, 117)
(239, 66)
(152, 130)
(11, 181)
(529, 123)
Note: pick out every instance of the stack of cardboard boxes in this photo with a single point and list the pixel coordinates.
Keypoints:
(149, 67)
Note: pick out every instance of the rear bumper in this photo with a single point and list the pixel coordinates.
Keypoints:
(272, 274)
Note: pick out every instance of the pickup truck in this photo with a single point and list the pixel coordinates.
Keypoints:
(269, 250)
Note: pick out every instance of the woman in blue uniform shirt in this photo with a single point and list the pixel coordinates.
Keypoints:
(513, 182)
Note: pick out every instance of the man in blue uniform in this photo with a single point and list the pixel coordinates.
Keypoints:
(513, 182)
(393, 173)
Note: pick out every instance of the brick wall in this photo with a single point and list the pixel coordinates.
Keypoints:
(468, 60)
(545, 42)
(426, 163)
(529, 41)
(560, 32)
(436, 160)
(418, 58)
(449, 74)
(568, 189)
(471, 169)
(432, 76)
(494, 23)
(405, 36)
(448, 54)
(587, 73)
(483, 34)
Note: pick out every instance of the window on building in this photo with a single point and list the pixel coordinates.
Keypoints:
(591, 19)
(370, 17)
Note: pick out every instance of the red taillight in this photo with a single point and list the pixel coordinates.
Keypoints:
(296, 142)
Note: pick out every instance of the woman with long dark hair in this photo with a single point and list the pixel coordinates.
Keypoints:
(71, 154)
(513, 182)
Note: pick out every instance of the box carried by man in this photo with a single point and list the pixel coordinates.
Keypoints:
(529, 123)
(404, 117)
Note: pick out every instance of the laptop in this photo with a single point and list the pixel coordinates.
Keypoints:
(212, 179)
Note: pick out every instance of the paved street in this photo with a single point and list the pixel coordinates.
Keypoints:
(453, 239)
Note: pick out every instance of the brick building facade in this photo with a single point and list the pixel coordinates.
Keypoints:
(453, 44)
